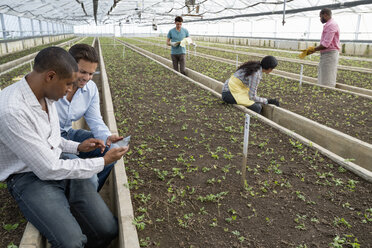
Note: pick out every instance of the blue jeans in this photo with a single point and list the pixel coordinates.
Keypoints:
(229, 98)
(69, 213)
(79, 135)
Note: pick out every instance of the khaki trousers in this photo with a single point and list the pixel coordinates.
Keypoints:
(327, 68)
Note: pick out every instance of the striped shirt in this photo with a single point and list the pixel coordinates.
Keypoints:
(252, 81)
(30, 139)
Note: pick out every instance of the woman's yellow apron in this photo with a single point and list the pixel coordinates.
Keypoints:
(239, 91)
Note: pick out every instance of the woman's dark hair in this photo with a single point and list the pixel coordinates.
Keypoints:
(250, 67)
(268, 62)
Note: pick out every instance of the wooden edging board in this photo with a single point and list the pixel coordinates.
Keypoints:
(328, 141)
(128, 237)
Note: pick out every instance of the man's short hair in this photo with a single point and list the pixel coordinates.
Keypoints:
(85, 52)
(178, 19)
(55, 59)
(326, 11)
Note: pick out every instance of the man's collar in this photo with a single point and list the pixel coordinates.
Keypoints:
(28, 94)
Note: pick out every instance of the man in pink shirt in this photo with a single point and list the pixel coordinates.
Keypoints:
(329, 49)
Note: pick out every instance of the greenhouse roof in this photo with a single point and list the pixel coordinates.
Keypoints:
(79, 12)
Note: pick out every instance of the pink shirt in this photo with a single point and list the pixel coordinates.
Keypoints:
(330, 36)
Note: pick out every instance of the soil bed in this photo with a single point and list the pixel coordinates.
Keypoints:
(184, 171)
(11, 219)
(347, 113)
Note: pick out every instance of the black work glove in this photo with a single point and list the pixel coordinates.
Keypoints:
(273, 101)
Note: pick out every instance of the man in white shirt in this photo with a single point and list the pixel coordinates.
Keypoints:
(83, 101)
(55, 195)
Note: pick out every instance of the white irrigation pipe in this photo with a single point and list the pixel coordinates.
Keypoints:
(31, 65)
(237, 61)
(245, 149)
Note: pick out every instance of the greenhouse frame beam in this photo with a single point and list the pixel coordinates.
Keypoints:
(290, 11)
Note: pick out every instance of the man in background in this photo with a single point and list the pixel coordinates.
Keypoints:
(174, 38)
(329, 49)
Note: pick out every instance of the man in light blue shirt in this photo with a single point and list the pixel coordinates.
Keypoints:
(83, 101)
(174, 38)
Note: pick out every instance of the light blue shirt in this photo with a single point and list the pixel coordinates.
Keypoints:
(85, 102)
(176, 36)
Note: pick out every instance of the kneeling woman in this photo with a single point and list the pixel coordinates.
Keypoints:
(241, 87)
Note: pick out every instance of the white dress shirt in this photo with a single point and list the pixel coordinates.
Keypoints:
(85, 102)
(30, 139)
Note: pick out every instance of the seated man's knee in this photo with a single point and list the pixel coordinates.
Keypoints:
(106, 233)
(71, 241)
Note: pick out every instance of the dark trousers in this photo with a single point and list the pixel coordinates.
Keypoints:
(229, 98)
(69, 213)
(79, 135)
(181, 60)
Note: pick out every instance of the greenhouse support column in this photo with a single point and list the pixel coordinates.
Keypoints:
(48, 30)
(3, 30)
(20, 28)
(53, 27)
(308, 29)
(41, 28)
(357, 27)
(3, 25)
(32, 27)
(251, 29)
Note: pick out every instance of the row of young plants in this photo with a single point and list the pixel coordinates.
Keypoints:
(342, 111)
(11, 219)
(353, 78)
(15, 75)
(13, 56)
(348, 61)
(184, 170)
